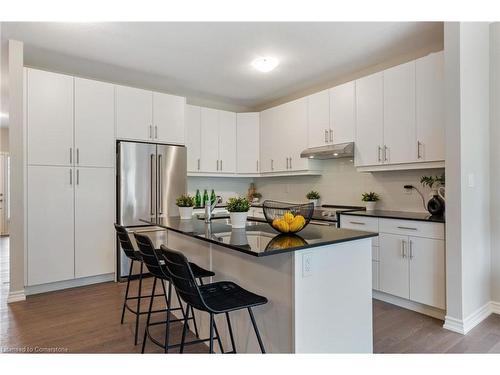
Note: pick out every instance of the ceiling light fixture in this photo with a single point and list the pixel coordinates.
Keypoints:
(265, 64)
(3, 115)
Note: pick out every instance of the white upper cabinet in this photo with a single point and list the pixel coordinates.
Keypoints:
(430, 107)
(209, 140)
(134, 110)
(399, 114)
(227, 142)
(266, 140)
(369, 120)
(49, 118)
(343, 113)
(294, 134)
(94, 123)
(94, 218)
(193, 138)
(247, 142)
(168, 118)
(318, 113)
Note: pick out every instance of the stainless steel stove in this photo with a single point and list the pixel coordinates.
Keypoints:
(329, 214)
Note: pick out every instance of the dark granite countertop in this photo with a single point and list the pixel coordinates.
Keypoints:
(259, 238)
(419, 216)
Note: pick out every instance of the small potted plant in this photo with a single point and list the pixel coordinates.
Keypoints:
(313, 197)
(253, 195)
(370, 198)
(185, 203)
(238, 211)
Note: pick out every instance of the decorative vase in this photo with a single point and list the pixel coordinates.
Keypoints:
(238, 219)
(315, 201)
(435, 205)
(186, 212)
(370, 206)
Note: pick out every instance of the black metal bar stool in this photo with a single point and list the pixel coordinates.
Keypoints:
(155, 264)
(220, 297)
(134, 256)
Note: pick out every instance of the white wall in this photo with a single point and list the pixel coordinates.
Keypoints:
(467, 168)
(223, 186)
(341, 184)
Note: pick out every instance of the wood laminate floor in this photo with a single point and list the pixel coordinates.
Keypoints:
(87, 320)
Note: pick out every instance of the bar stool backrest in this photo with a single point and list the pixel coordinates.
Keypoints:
(183, 278)
(125, 243)
(150, 257)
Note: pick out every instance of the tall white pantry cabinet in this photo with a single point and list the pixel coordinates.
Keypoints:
(71, 187)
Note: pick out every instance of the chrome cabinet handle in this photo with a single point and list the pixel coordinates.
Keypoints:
(217, 164)
(272, 164)
(286, 163)
(160, 194)
(409, 228)
(221, 165)
(403, 252)
(326, 135)
(150, 131)
(379, 152)
(290, 162)
(385, 152)
(71, 155)
(331, 135)
(77, 156)
(357, 222)
(198, 163)
(71, 177)
(411, 249)
(151, 170)
(78, 177)
(419, 155)
(156, 131)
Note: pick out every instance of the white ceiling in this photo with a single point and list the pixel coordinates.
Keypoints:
(211, 61)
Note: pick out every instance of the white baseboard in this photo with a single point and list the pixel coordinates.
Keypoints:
(16, 296)
(410, 305)
(43, 288)
(465, 325)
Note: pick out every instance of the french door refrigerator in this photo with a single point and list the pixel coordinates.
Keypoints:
(149, 178)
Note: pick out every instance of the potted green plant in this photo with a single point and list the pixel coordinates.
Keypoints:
(313, 197)
(238, 208)
(371, 199)
(185, 203)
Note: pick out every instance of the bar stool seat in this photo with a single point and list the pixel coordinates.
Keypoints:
(224, 296)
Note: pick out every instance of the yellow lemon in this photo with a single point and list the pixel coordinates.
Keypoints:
(288, 217)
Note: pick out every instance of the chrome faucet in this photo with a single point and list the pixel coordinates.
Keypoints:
(209, 207)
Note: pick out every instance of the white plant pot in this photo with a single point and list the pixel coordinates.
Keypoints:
(238, 237)
(238, 219)
(315, 201)
(186, 213)
(370, 206)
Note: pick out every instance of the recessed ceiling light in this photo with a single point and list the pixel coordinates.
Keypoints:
(265, 64)
(3, 115)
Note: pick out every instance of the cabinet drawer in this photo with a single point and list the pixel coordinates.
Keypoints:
(368, 224)
(375, 253)
(412, 228)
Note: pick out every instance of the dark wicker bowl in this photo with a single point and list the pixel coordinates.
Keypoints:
(277, 210)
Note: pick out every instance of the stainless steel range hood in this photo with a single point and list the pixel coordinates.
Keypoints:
(336, 151)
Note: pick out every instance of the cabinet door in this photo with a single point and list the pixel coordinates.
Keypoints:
(343, 112)
(280, 139)
(369, 120)
(247, 144)
(168, 118)
(266, 141)
(50, 118)
(193, 138)
(50, 224)
(399, 114)
(394, 268)
(94, 123)
(294, 133)
(134, 109)
(318, 113)
(227, 142)
(430, 107)
(427, 271)
(209, 140)
(94, 218)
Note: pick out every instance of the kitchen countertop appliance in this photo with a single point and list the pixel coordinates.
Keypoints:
(328, 214)
(149, 179)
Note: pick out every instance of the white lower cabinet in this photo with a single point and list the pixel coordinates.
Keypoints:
(50, 224)
(70, 223)
(94, 218)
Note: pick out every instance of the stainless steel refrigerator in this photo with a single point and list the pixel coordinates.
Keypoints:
(150, 177)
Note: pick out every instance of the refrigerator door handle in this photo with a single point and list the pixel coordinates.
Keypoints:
(160, 193)
(151, 169)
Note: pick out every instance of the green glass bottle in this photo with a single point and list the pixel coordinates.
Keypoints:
(212, 197)
(197, 198)
(205, 197)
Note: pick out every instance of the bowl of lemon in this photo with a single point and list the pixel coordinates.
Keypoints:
(287, 217)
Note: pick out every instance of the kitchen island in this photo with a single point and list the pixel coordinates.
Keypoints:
(318, 283)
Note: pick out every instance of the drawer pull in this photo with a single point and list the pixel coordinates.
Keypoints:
(357, 222)
(409, 228)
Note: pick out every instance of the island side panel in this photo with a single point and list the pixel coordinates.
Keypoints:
(333, 299)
